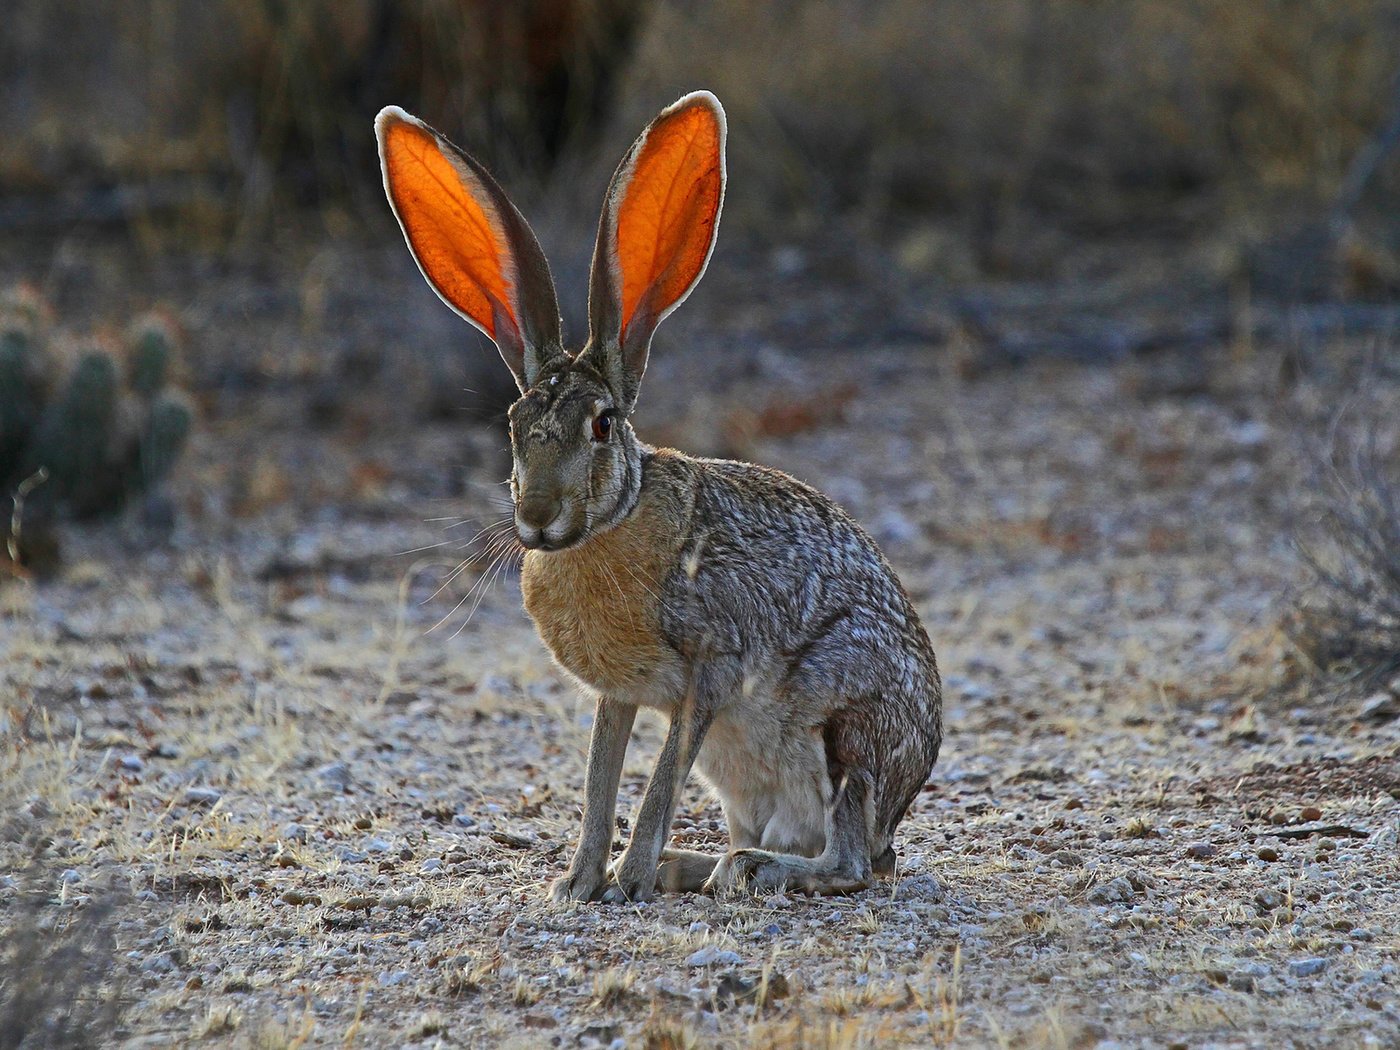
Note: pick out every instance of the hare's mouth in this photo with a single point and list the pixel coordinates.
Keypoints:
(540, 540)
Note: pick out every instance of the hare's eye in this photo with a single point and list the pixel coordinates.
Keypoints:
(602, 426)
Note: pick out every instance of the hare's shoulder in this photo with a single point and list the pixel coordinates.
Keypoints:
(762, 509)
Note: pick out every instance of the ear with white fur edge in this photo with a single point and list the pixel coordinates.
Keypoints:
(660, 220)
(473, 246)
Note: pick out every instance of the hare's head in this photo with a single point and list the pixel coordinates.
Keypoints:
(577, 461)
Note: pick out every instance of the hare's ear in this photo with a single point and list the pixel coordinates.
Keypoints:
(660, 219)
(475, 249)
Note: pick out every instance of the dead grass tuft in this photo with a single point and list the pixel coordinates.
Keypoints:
(525, 992)
(1349, 536)
(613, 987)
(467, 979)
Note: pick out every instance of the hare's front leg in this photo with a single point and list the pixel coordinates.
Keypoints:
(588, 872)
(634, 875)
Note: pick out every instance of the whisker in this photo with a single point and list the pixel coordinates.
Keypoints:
(495, 575)
(612, 578)
(640, 582)
(488, 549)
(467, 596)
(465, 521)
(488, 579)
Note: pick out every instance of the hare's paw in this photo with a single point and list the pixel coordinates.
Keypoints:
(759, 871)
(630, 883)
(578, 885)
(748, 871)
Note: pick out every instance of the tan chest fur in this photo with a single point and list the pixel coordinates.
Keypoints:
(597, 606)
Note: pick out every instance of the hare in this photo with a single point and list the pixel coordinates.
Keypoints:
(742, 603)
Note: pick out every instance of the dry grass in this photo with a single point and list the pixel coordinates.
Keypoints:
(1104, 111)
(1349, 536)
(225, 113)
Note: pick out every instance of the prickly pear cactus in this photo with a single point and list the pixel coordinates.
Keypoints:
(23, 373)
(85, 429)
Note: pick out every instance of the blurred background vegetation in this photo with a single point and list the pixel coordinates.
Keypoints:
(990, 181)
(224, 115)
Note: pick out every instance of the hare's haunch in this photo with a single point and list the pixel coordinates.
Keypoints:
(745, 605)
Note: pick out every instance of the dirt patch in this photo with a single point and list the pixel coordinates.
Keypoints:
(1372, 777)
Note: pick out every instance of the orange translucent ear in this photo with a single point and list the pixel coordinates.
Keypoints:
(669, 209)
(658, 229)
(472, 245)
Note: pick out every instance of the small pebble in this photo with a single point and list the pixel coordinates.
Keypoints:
(159, 964)
(202, 796)
(132, 763)
(335, 775)
(1310, 813)
(1381, 707)
(1115, 891)
(1266, 853)
(1202, 849)
(1307, 967)
(709, 955)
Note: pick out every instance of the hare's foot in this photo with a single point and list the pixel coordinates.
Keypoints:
(680, 871)
(582, 884)
(629, 882)
(759, 871)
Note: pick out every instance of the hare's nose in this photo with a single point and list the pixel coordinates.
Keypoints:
(538, 511)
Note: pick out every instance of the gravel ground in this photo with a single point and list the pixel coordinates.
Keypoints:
(308, 793)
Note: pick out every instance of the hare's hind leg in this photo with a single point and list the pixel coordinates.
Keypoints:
(844, 866)
(684, 871)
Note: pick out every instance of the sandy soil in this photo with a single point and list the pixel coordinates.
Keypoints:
(314, 789)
